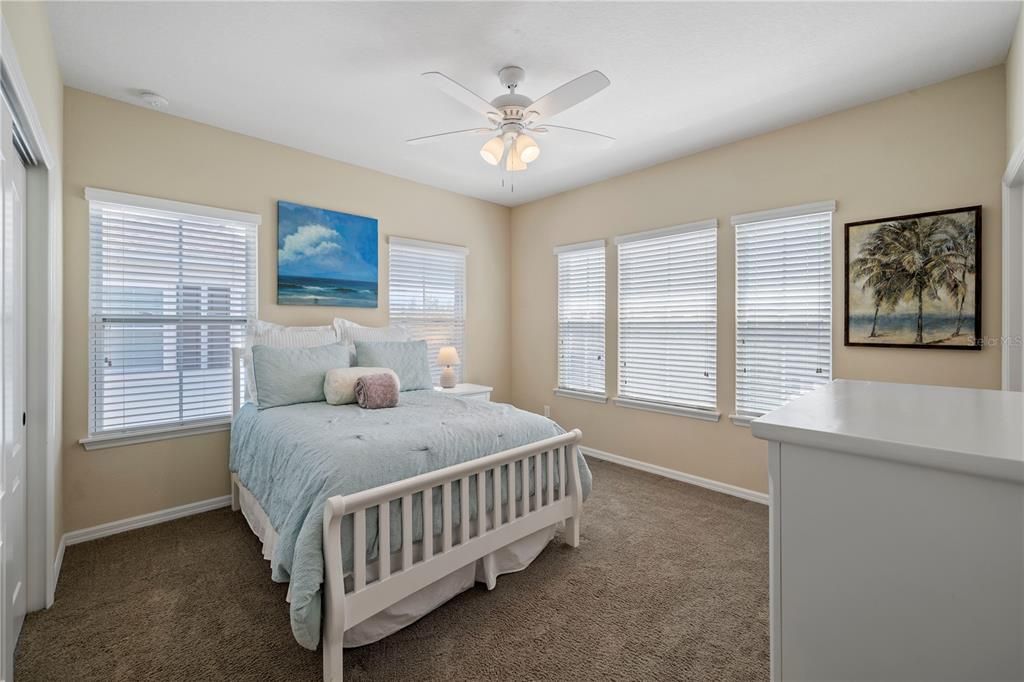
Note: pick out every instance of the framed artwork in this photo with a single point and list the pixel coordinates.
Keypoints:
(325, 257)
(914, 281)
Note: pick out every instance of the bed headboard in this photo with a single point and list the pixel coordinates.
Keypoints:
(236, 379)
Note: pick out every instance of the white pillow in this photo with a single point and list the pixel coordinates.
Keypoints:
(349, 332)
(340, 383)
(261, 333)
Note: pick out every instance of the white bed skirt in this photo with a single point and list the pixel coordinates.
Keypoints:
(508, 559)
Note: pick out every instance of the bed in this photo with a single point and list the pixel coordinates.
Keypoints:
(362, 511)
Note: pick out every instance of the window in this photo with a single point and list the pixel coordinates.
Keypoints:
(171, 287)
(427, 295)
(783, 306)
(581, 315)
(667, 320)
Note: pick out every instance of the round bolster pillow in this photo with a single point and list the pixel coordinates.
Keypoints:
(340, 383)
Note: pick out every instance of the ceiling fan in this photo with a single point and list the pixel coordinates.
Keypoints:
(514, 118)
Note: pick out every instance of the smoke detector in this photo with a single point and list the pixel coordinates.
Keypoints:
(154, 100)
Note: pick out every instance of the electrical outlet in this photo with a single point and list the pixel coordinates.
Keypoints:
(547, 411)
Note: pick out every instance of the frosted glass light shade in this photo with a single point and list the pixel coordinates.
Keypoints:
(448, 356)
(513, 162)
(492, 150)
(527, 149)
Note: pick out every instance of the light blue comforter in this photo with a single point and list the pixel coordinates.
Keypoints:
(293, 458)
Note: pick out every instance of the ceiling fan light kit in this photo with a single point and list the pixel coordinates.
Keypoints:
(513, 117)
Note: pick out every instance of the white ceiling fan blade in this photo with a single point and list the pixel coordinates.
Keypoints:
(438, 136)
(461, 93)
(570, 94)
(576, 135)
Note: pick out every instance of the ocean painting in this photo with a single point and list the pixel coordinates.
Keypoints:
(325, 257)
(914, 281)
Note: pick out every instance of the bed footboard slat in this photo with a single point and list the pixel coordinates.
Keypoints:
(549, 489)
(427, 508)
(406, 532)
(359, 549)
(447, 518)
(463, 510)
(384, 540)
(481, 503)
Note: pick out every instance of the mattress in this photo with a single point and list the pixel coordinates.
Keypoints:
(292, 458)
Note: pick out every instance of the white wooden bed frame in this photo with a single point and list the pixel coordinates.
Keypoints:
(375, 586)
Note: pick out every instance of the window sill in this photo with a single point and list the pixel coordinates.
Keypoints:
(741, 420)
(678, 410)
(114, 440)
(581, 395)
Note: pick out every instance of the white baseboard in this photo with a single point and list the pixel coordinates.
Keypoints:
(51, 589)
(717, 486)
(151, 519)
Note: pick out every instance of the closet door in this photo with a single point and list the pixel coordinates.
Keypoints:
(12, 355)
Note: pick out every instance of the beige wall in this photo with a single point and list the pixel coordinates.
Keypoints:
(112, 145)
(1015, 89)
(939, 147)
(37, 59)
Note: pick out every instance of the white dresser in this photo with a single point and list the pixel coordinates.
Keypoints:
(897, 533)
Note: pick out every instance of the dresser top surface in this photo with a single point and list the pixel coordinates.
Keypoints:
(968, 430)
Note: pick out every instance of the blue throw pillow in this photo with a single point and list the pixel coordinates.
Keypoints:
(285, 376)
(408, 359)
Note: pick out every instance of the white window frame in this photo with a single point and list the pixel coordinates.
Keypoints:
(764, 216)
(461, 345)
(696, 412)
(569, 391)
(131, 436)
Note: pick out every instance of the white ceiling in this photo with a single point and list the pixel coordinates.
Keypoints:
(342, 79)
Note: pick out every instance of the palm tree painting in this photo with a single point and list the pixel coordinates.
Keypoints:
(914, 281)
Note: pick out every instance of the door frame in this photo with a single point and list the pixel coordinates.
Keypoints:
(1012, 341)
(44, 265)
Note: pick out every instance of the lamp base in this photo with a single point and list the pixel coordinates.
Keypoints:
(448, 378)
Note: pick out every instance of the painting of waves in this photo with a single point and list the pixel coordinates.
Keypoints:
(293, 290)
(325, 258)
(914, 281)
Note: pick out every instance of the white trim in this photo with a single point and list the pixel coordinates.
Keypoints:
(667, 231)
(143, 520)
(741, 420)
(717, 486)
(58, 561)
(421, 244)
(44, 328)
(113, 440)
(581, 395)
(788, 212)
(665, 408)
(581, 246)
(1012, 281)
(110, 197)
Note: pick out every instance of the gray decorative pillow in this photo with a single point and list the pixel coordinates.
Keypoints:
(408, 359)
(285, 376)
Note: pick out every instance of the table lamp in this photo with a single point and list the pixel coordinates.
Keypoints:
(447, 357)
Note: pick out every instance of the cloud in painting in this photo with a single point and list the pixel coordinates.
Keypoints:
(306, 242)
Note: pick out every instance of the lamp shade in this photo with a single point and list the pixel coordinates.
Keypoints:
(526, 148)
(492, 150)
(513, 162)
(448, 356)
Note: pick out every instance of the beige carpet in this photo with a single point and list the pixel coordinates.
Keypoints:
(670, 582)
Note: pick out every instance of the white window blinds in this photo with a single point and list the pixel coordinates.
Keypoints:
(171, 287)
(783, 305)
(427, 295)
(667, 316)
(581, 317)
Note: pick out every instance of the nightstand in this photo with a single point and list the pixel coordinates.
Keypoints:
(468, 391)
